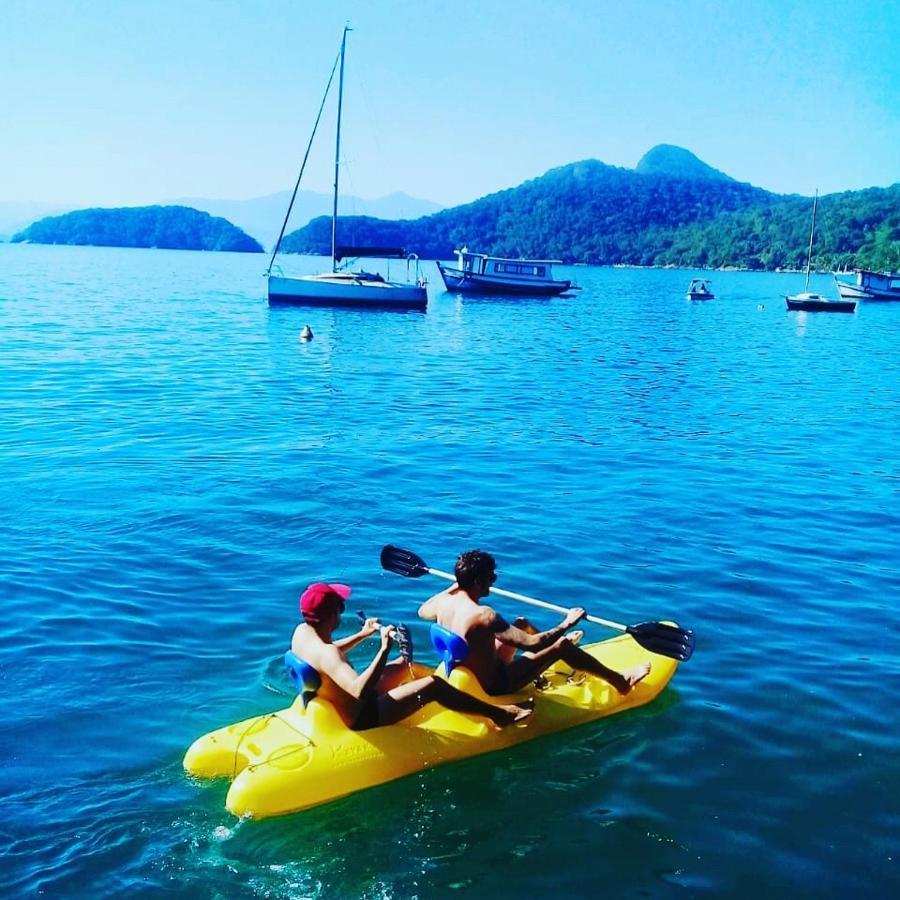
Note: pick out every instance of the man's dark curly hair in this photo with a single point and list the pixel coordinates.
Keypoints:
(474, 566)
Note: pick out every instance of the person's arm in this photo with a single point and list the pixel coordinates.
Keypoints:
(357, 684)
(429, 609)
(516, 637)
(370, 626)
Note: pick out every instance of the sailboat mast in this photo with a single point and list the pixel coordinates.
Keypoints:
(812, 233)
(337, 152)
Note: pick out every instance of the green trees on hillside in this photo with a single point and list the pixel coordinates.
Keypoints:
(164, 227)
(594, 213)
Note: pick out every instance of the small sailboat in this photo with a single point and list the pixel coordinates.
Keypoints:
(342, 288)
(699, 289)
(807, 301)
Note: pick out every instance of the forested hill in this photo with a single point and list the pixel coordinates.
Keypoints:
(665, 159)
(672, 209)
(163, 227)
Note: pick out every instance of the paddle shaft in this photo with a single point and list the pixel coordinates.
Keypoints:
(533, 601)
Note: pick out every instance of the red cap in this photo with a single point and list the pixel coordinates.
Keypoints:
(320, 600)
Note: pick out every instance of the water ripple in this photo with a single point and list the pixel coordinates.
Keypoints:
(178, 465)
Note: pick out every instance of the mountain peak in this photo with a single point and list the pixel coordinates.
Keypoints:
(667, 159)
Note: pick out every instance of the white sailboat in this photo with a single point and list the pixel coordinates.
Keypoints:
(342, 288)
(816, 302)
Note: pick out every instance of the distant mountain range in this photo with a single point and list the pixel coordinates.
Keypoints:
(260, 217)
(672, 209)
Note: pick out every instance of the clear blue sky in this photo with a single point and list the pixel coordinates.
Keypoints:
(107, 103)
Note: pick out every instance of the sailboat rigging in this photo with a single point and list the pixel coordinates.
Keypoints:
(816, 302)
(338, 288)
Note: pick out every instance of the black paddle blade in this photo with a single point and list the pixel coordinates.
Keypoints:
(666, 640)
(403, 562)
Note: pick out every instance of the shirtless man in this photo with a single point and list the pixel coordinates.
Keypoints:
(379, 695)
(458, 610)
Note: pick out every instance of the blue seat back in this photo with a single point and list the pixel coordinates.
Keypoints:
(450, 647)
(307, 680)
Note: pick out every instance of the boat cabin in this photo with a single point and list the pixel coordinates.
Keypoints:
(870, 285)
(482, 264)
(888, 282)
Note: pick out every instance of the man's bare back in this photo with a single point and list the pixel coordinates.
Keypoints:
(454, 610)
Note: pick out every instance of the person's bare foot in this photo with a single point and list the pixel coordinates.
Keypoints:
(631, 677)
(514, 713)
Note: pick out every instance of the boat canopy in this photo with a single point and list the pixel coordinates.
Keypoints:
(547, 262)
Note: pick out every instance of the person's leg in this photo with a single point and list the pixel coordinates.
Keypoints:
(525, 669)
(505, 652)
(405, 699)
(395, 673)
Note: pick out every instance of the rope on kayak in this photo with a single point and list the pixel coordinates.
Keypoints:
(274, 757)
(253, 727)
(237, 746)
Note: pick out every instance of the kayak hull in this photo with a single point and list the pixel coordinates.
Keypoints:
(296, 758)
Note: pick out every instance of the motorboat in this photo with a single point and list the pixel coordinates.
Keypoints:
(870, 286)
(699, 289)
(479, 273)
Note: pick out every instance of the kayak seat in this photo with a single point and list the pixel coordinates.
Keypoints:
(307, 680)
(452, 648)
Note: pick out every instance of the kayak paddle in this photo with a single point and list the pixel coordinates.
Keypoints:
(657, 637)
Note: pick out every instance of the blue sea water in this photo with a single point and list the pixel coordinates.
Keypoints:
(177, 465)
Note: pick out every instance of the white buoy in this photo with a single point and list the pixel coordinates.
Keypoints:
(306, 333)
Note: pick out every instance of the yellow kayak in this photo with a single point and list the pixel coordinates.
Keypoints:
(297, 758)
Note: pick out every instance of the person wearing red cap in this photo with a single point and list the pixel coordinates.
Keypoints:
(492, 641)
(378, 695)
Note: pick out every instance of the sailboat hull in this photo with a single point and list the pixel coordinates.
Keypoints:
(820, 304)
(345, 290)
